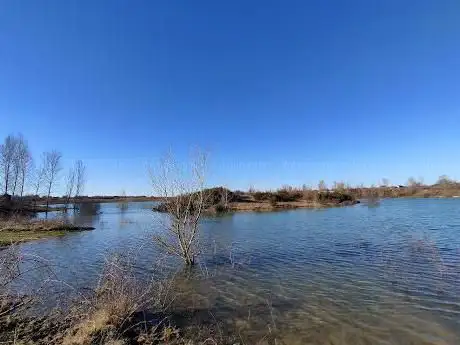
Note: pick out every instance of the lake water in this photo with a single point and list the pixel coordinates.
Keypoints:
(353, 275)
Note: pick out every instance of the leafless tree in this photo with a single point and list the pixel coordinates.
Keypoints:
(123, 203)
(37, 180)
(15, 169)
(322, 186)
(445, 180)
(225, 196)
(52, 167)
(7, 157)
(183, 195)
(24, 161)
(80, 178)
(338, 186)
(412, 182)
(70, 185)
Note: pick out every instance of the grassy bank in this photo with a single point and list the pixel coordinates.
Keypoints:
(16, 230)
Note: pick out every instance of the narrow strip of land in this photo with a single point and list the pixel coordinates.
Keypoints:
(22, 230)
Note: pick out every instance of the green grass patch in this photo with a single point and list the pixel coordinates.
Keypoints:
(10, 237)
(22, 230)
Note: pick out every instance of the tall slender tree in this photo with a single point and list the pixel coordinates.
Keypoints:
(24, 158)
(7, 156)
(80, 178)
(70, 186)
(52, 167)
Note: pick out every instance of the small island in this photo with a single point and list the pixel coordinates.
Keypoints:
(222, 200)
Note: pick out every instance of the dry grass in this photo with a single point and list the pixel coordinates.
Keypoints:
(121, 310)
(19, 229)
(25, 224)
(267, 206)
(116, 310)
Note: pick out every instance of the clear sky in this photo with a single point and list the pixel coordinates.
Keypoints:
(278, 92)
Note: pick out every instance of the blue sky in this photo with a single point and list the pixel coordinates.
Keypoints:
(278, 92)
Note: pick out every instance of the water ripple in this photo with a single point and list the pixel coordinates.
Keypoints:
(386, 275)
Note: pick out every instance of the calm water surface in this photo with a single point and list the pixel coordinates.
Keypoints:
(355, 275)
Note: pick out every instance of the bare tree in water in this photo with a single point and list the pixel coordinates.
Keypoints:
(80, 178)
(52, 167)
(37, 181)
(123, 204)
(183, 195)
(70, 186)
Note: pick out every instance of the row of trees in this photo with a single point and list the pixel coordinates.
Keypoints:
(15, 164)
(20, 174)
(443, 180)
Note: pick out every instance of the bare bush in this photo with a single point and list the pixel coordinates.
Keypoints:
(183, 194)
(118, 305)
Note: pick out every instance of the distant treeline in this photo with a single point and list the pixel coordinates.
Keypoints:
(444, 187)
(21, 175)
(103, 198)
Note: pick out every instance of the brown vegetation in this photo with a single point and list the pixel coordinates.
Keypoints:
(20, 229)
(444, 187)
(114, 313)
(121, 310)
(289, 197)
(284, 198)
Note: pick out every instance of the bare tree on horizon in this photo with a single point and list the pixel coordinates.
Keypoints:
(37, 180)
(70, 186)
(80, 178)
(52, 167)
(24, 162)
(322, 186)
(7, 155)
